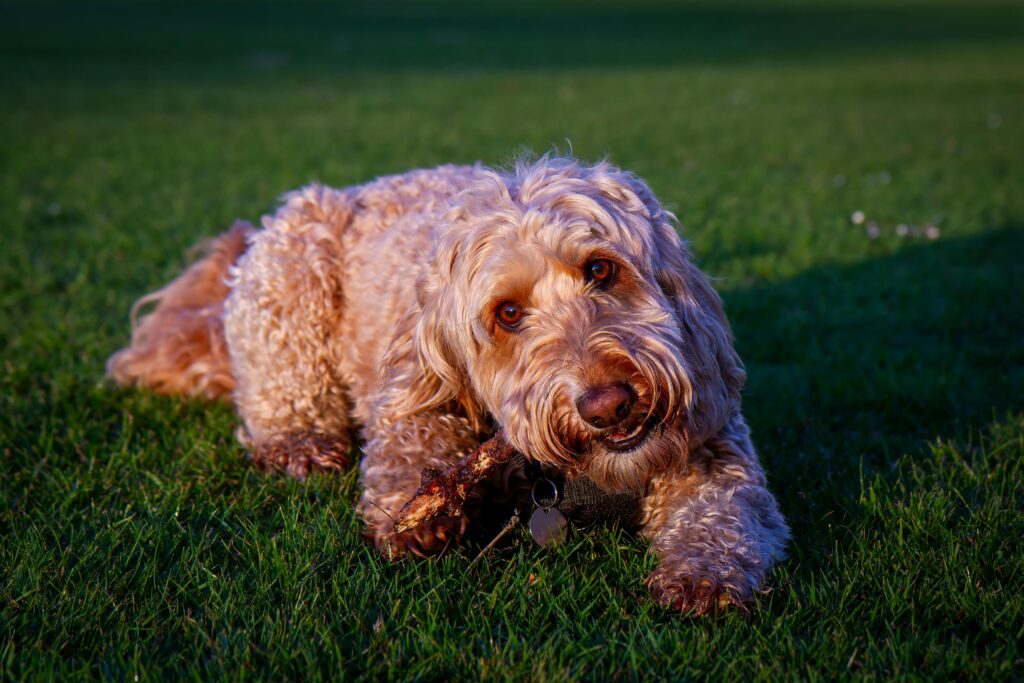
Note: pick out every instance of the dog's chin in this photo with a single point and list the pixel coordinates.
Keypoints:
(623, 457)
(627, 458)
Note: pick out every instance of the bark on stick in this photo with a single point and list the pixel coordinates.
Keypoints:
(443, 492)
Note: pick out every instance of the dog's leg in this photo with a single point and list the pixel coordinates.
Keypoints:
(281, 325)
(714, 525)
(300, 453)
(396, 454)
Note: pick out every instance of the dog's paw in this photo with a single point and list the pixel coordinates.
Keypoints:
(299, 454)
(430, 538)
(695, 596)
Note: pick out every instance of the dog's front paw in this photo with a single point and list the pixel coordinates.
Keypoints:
(298, 454)
(430, 538)
(694, 595)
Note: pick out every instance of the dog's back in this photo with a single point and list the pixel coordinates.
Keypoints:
(180, 346)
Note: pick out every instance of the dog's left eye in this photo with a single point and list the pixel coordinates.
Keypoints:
(600, 271)
(509, 314)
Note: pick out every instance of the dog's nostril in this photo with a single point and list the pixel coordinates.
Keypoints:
(606, 405)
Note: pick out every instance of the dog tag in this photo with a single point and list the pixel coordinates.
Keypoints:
(548, 526)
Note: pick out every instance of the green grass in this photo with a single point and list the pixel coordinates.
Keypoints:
(886, 384)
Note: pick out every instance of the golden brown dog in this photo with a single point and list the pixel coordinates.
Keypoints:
(555, 300)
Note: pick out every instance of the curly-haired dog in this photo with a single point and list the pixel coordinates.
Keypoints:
(555, 300)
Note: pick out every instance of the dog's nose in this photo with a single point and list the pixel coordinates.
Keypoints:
(605, 406)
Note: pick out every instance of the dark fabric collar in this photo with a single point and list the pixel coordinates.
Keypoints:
(581, 500)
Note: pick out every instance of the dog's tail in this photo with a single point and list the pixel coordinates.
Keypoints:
(178, 347)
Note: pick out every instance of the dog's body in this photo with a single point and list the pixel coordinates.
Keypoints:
(555, 301)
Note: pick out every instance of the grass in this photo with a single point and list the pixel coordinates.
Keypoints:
(886, 384)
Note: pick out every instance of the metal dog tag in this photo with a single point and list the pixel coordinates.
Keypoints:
(548, 526)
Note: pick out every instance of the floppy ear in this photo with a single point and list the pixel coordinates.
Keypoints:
(717, 373)
(423, 370)
(715, 370)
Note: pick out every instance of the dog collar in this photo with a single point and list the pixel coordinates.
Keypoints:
(558, 501)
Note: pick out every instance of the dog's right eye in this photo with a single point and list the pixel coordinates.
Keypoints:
(599, 271)
(509, 314)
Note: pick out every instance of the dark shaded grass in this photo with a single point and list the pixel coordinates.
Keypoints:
(885, 375)
(465, 35)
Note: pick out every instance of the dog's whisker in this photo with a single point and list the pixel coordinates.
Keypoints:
(373, 503)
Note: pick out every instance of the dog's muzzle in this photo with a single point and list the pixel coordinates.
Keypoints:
(612, 409)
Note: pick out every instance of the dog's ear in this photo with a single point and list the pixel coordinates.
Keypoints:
(717, 373)
(424, 370)
(437, 332)
(715, 370)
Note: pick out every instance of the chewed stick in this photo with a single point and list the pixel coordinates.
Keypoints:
(443, 492)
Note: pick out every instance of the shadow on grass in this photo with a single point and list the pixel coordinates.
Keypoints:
(345, 36)
(850, 368)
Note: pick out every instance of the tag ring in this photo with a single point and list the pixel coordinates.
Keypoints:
(555, 494)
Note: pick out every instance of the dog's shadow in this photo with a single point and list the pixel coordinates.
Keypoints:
(851, 367)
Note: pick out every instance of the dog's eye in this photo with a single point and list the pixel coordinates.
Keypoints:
(600, 271)
(509, 314)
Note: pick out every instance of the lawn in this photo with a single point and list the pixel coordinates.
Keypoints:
(886, 388)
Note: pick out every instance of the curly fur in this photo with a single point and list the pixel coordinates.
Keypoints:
(373, 309)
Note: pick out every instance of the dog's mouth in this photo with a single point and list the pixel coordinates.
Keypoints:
(629, 435)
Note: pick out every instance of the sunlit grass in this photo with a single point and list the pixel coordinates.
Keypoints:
(886, 372)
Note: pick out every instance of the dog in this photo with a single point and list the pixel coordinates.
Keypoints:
(419, 312)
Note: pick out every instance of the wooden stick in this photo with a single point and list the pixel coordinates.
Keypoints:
(443, 492)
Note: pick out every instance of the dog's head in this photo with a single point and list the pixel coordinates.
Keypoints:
(561, 302)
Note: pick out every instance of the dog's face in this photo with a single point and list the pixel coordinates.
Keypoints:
(562, 303)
